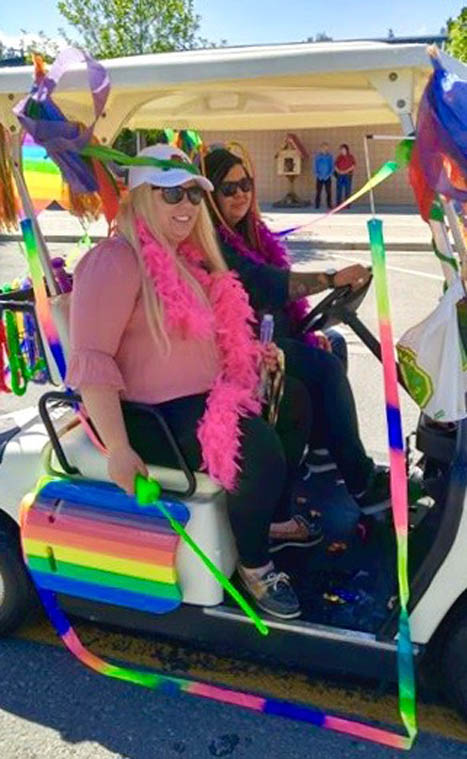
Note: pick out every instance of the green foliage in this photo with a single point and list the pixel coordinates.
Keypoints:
(29, 44)
(457, 35)
(115, 28)
(41, 44)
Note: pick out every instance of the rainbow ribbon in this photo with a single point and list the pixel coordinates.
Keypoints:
(174, 685)
(403, 156)
(407, 705)
(44, 314)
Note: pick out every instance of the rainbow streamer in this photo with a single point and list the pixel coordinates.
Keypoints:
(407, 704)
(386, 170)
(43, 311)
(175, 685)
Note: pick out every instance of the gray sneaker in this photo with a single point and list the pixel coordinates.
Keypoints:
(273, 593)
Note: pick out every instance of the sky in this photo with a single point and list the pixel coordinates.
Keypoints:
(243, 22)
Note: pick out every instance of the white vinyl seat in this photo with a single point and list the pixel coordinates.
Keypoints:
(83, 454)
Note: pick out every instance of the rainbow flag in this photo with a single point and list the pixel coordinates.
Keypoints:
(42, 176)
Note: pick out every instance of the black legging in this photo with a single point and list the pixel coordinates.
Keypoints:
(335, 424)
(270, 458)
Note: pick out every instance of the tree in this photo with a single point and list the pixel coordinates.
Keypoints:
(114, 28)
(40, 43)
(322, 37)
(8, 52)
(457, 35)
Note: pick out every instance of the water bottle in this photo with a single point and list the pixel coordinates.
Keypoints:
(266, 333)
(267, 329)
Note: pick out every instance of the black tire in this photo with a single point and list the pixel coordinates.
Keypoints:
(454, 665)
(16, 592)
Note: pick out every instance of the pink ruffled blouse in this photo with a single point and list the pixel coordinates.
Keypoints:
(111, 343)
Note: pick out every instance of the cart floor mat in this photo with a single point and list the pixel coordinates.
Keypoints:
(349, 579)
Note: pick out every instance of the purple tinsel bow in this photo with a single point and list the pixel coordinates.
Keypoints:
(45, 122)
(442, 130)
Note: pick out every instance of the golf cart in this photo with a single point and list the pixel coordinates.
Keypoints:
(349, 599)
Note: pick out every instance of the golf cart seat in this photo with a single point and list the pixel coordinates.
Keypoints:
(72, 453)
(82, 454)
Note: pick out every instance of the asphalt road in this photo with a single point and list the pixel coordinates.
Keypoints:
(51, 707)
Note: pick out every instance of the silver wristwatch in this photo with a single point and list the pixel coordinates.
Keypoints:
(330, 277)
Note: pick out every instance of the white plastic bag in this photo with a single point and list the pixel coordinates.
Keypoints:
(432, 360)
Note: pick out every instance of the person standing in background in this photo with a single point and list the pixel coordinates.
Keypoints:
(344, 168)
(324, 167)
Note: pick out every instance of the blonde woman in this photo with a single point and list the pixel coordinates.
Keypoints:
(157, 319)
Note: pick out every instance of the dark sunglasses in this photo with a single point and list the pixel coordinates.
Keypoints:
(229, 189)
(174, 195)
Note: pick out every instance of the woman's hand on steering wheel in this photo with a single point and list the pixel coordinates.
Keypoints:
(355, 276)
(123, 465)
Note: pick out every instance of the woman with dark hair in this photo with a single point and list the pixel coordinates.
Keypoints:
(344, 168)
(264, 268)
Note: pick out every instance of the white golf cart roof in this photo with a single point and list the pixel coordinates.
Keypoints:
(300, 85)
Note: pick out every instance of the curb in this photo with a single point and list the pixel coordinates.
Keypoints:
(422, 247)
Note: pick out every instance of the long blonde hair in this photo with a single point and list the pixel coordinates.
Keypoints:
(139, 204)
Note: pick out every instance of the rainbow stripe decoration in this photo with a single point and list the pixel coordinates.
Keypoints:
(43, 311)
(91, 540)
(42, 175)
(407, 705)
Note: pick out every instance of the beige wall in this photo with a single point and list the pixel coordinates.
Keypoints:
(263, 146)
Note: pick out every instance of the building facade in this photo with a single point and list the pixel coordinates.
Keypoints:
(264, 145)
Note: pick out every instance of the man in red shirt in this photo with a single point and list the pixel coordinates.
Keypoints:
(344, 168)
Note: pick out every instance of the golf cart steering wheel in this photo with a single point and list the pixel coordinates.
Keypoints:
(328, 312)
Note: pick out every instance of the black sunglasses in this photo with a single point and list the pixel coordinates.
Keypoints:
(174, 195)
(229, 189)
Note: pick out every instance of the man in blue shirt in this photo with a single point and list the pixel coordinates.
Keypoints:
(324, 166)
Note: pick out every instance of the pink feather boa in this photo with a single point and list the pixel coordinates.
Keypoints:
(229, 319)
(272, 252)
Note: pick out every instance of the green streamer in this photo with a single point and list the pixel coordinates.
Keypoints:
(105, 154)
(20, 373)
(148, 493)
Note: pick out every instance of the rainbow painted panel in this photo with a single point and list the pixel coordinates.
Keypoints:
(91, 540)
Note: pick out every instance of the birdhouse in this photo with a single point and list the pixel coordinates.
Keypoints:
(290, 156)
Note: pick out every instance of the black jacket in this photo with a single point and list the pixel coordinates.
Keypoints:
(267, 287)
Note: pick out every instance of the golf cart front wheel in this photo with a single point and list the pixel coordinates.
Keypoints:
(16, 595)
(454, 666)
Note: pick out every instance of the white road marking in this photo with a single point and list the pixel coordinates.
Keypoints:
(425, 274)
(20, 416)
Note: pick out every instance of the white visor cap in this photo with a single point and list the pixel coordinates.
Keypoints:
(159, 177)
